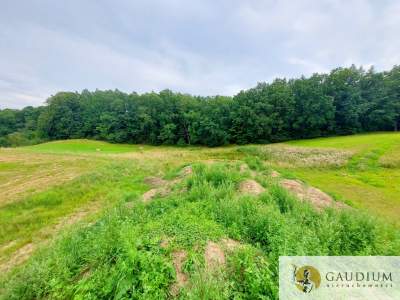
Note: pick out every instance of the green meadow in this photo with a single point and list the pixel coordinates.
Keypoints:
(83, 219)
(369, 180)
(82, 146)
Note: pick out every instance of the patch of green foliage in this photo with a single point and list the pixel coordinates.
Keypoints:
(19, 127)
(120, 255)
(345, 101)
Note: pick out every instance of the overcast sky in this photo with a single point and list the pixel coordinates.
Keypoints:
(201, 47)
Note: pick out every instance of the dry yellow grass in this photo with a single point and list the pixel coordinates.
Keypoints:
(289, 156)
(391, 158)
(23, 173)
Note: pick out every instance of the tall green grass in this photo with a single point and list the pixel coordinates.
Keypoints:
(120, 256)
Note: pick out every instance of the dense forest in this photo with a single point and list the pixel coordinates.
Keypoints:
(345, 101)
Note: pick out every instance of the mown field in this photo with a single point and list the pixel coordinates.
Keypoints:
(90, 220)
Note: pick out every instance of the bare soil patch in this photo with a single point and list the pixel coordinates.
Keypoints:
(250, 186)
(315, 196)
(149, 195)
(155, 181)
(186, 171)
(214, 256)
(275, 174)
(179, 258)
(163, 187)
(164, 243)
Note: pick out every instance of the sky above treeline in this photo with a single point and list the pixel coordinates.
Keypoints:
(203, 47)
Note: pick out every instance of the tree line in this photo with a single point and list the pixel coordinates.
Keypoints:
(344, 101)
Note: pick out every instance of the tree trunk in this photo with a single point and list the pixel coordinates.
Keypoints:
(186, 133)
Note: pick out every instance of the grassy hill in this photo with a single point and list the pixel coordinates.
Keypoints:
(87, 220)
(370, 178)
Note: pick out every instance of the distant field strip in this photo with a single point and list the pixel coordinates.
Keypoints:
(290, 156)
(22, 174)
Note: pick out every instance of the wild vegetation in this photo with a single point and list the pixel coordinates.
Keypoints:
(87, 219)
(144, 222)
(345, 101)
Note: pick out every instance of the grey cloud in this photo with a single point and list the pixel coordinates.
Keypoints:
(200, 47)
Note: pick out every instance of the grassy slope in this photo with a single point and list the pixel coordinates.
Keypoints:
(106, 252)
(121, 256)
(371, 178)
(82, 146)
(43, 184)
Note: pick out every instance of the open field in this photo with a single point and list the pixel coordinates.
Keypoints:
(369, 180)
(101, 220)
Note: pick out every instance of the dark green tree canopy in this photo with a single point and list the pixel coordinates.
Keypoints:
(345, 101)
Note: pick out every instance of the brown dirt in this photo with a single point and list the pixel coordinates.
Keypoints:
(275, 174)
(179, 258)
(164, 243)
(149, 195)
(214, 256)
(316, 197)
(186, 171)
(163, 187)
(250, 186)
(155, 181)
(164, 191)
